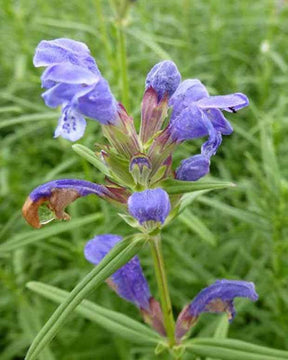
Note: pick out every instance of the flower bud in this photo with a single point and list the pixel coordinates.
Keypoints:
(149, 206)
(140, 168)
(193, 168)
(164, 78)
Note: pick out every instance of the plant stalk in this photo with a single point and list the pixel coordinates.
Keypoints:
(161, 278)
(123, 64)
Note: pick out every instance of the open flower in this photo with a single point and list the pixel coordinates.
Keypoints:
(216, 298)
(192, 94)
(58, 194)
(149, 206)
(195, 114)
(74, 81)
(129, 281)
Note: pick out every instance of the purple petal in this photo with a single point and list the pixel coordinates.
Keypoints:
(217, 297)
(57, 195)
(191, 123)
(219, 122)
(211, 146)
(164, 78)
(69, 74)
(129, 281)
(229, 103)
(193, 168)
(64, 93)
(189, 91)
(71, 125)
(82, 187)
(53, 52)
(99, 103)
(222, 291)
(149, 205)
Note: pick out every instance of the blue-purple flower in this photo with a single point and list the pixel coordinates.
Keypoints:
(129, 281)
(73, 80)
(193, 168)
(149, 205)
(197, 166)
(164, 78)
(193, 93)
(216, 298)
(58, 194)
(196, 114)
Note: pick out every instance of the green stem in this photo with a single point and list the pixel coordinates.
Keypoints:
(161, 279)
(123, 64)
(103, 32)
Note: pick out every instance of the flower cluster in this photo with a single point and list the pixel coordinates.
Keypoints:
(136, 165)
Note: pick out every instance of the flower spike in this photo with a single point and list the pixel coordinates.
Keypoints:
(129, 281)
(58, 194)
(216, 298)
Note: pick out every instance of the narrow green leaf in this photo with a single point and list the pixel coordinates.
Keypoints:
(227, 354)
(244, 349)
(117, 257)
(66, 24)
(90, 156)
(180, 187)
(196, 225)
(32, 236)
(149, 42)
(27, 118)
(113, 321)
(189, 198)
(243, 215)
(222, 328)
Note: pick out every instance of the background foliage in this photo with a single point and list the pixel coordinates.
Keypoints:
(238, 233)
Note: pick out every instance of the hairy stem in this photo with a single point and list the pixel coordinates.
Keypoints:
(161, 279)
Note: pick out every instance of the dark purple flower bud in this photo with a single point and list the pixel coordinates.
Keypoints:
(149, 205)
(58, 194)
(164, 78)
(74, 81)
(129, 281)
(193, 168)
(216, 298)
(140, 168)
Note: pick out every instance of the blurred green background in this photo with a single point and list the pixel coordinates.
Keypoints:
(239, 233)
